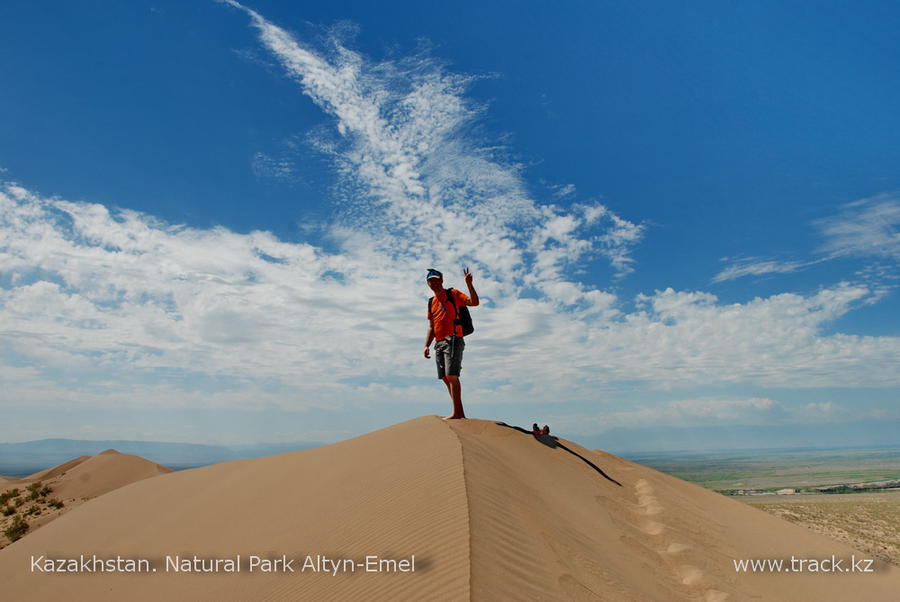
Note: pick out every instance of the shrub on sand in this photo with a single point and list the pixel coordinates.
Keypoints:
(17, 529)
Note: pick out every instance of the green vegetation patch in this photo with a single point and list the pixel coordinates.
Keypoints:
(17, 529)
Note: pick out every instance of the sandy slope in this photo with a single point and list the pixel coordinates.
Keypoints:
(79, 480)
(57, 470)
(546, 526)
(398, 491)
(490, 513)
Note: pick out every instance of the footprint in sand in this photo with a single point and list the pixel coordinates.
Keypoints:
(695, 579)
(648, 506)
(646, 500)
(652, 527)
(643, 487)
(690, 576)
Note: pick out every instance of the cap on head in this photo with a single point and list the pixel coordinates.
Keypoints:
(433, 273)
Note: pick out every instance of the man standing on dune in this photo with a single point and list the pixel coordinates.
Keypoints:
(445, 326)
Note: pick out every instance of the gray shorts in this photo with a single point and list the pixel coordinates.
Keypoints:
(448, 355)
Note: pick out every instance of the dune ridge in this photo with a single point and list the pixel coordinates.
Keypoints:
(490, 514)
(57, 470)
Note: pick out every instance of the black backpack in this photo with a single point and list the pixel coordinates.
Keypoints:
(463, 317)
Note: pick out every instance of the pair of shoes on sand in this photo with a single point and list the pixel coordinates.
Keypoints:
(536, 431)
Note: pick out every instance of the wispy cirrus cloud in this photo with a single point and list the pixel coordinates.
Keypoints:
(422, 185)
(867, 228)
(267, 167)
(757, 266)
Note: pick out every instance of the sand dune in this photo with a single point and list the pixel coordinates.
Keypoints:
(79, 480)
(104, 472)
(489, 513)
(91, 476)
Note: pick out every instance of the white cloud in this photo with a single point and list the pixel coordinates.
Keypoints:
(867, 228)
(700, 412)
(420, 184)
(99, 304)
(826, 411)
(267, 167)
(113, 300)
(719, 411)
(562, 191)
(755, 266)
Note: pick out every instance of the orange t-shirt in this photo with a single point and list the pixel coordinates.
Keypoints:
(441, 315)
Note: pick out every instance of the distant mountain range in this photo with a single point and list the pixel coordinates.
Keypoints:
(20, 459)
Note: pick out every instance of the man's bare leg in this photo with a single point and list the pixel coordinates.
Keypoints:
(455, 389)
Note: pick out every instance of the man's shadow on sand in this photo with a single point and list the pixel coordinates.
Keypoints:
(552, 442)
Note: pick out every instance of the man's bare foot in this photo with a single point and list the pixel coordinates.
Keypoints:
(453, 417)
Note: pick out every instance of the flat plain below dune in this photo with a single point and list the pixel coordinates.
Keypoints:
(489, 513)
(867, 521)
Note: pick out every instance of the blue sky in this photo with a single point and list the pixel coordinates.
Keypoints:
(683, 218)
